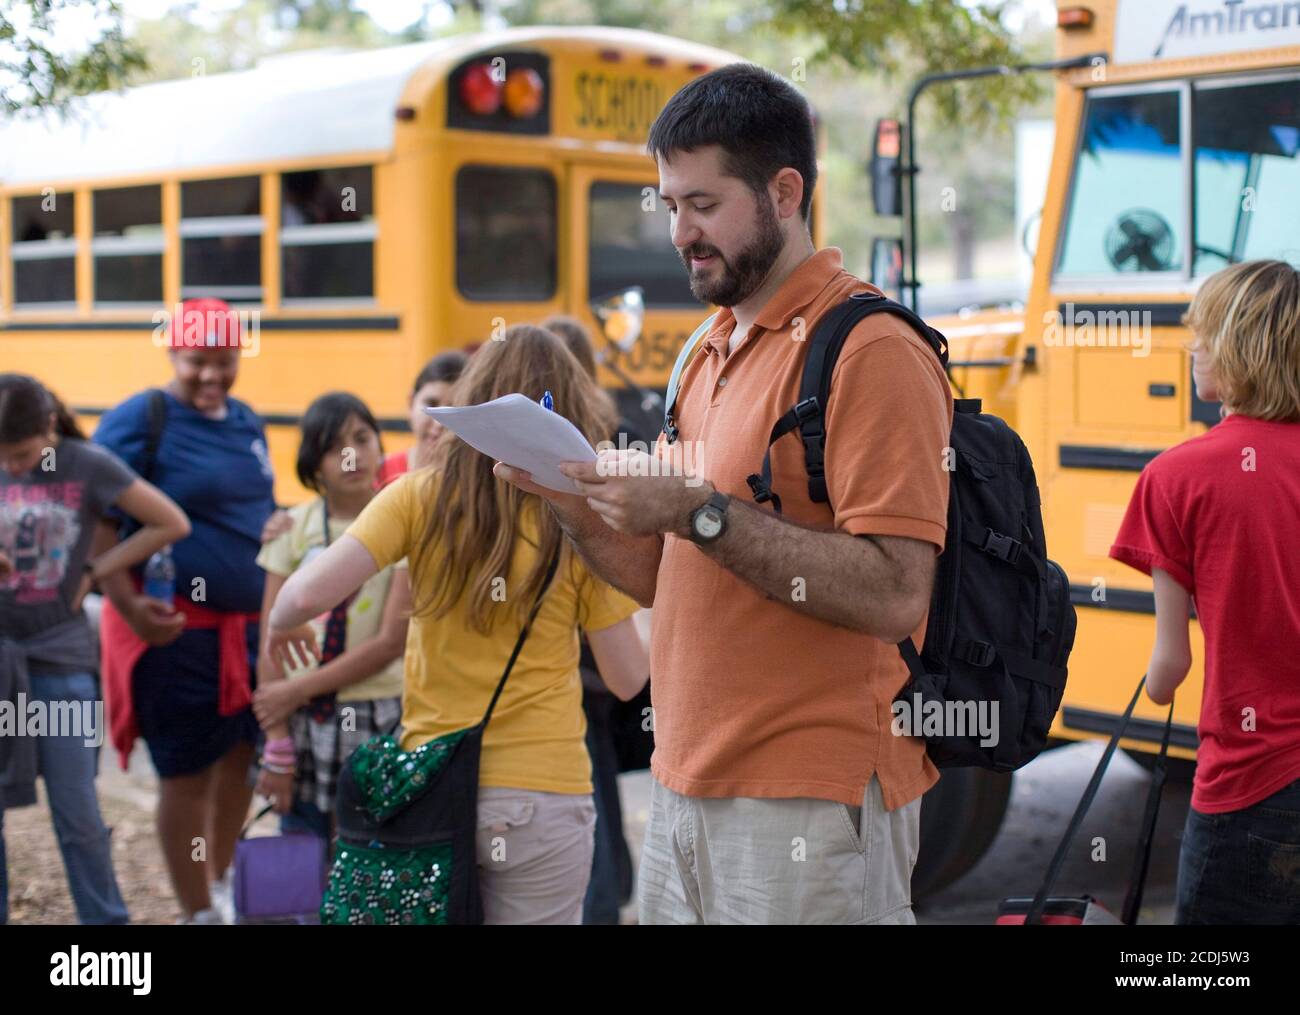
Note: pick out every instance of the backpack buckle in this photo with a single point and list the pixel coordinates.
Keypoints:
(807, 409)
(762, 493)
(1002, 547)
(979, 653)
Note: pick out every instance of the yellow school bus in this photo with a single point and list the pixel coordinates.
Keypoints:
(367, 209)
(1176, 153)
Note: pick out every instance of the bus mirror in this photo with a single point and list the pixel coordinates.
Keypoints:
(887, 265)
(621, 316)
(886, 183)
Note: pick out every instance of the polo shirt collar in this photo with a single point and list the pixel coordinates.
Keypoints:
(799, 290)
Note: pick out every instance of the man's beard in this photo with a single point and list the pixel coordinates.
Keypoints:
(740, 278)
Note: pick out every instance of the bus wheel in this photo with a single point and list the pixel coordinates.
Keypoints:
(960, 818)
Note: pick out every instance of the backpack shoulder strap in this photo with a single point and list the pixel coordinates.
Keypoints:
(808, 414)
(683, 357)
(153, 436)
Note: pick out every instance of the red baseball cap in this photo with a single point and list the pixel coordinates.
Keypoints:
(204, 324)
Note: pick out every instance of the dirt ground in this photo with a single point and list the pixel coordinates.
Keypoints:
(38, 885)
(1043, 796)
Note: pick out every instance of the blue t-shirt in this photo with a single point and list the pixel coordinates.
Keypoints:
(219, 472)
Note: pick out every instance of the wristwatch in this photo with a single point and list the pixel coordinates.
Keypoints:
(709, 520)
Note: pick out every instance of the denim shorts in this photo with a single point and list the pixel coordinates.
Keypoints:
(1242, 867)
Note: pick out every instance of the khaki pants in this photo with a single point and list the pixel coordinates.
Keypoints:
(799, 860)
(534, 854)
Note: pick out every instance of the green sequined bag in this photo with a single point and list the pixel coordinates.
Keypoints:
(407, 823)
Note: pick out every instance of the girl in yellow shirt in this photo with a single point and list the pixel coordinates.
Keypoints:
(478, 550)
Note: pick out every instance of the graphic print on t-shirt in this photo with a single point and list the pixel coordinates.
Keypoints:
(39, 527)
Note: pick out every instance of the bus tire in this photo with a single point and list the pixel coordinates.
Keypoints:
(960, 818)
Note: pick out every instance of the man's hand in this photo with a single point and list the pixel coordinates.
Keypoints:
(565, 504)
(156, 623)
(638, 494)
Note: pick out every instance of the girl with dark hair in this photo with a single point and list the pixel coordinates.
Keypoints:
(479, 552)
(432, 388)
(54, 486)
(357, 675)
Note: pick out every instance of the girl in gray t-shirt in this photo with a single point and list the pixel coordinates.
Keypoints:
(54, 487)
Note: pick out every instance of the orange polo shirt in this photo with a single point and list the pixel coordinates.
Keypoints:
(753, 698)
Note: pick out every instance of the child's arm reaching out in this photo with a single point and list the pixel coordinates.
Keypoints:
(1171, 657)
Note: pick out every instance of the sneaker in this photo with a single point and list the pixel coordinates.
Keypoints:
(223, 897)
(208, 915)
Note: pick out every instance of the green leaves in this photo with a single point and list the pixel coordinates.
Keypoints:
(38, 67)
(909, 38)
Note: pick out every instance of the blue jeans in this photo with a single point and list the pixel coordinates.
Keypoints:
(1242, 867)
(68, 767)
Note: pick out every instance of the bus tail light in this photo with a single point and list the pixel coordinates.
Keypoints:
(1074, 17)
(480, 91)
(524, 92)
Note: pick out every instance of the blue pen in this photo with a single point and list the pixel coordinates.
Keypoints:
(548, 403)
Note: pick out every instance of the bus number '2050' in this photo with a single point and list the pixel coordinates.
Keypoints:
(654, 351)
(618, 105)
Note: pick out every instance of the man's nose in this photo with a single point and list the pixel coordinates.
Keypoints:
(685, 232)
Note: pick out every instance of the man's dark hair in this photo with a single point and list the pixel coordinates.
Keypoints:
(760, 120)
(321, 424)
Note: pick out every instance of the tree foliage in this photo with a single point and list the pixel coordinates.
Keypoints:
(38, 67)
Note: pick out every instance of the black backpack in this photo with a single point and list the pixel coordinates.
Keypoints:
(1001, 624)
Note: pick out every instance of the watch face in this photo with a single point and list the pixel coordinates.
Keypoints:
(708, 524)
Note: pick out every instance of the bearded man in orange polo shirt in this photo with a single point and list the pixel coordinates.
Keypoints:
(780, 794)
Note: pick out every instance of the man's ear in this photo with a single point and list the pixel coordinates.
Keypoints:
(789, 192)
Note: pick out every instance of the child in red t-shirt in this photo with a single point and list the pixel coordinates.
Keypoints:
(1217, 519)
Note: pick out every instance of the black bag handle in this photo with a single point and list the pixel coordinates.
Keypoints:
(523, 635)
(808, 415)
(1142, 861)
(153, 436)
(155, 421)
(255, 819)
(519, 642)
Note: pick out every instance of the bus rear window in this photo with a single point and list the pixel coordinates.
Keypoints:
(630, 243)
(505, 233)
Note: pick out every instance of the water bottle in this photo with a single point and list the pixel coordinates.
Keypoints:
(160, 576)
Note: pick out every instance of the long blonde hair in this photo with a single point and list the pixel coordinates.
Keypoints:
(1246, 321)
(474, 518)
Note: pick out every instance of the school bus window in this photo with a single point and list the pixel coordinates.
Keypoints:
(44, 249)
(128, 245)
(505, 233)
(630, 243)
(1247, 172)
(327, 234)
(1127, 210)
(221, 239)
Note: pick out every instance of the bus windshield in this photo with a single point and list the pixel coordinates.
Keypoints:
(1129, 210)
